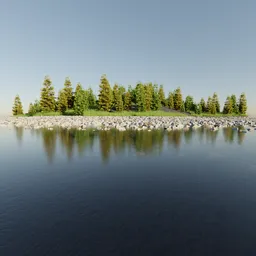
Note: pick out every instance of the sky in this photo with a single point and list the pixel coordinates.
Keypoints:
(203, 46)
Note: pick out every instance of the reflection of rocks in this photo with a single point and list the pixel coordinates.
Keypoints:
(123, 123)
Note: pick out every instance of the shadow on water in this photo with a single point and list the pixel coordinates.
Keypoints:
(114, 142)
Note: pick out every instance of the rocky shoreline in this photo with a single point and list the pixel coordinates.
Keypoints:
(122, 123)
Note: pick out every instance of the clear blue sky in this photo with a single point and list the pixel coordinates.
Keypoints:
(201, 45)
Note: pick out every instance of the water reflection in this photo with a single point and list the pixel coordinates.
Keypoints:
(19, 134)
(118, 143)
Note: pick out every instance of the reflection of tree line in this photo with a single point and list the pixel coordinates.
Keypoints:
(117, 142)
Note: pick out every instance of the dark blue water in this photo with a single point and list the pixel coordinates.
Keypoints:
(127, 193)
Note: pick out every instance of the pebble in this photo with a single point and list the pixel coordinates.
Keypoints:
(123, 123)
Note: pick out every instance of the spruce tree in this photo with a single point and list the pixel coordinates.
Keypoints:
(47, 101)
(127, 101)
(117, 98)
(178, 99)
(242, 104)
(234, 104)
(162, 95)
(189, 103)
(170, 101)
(156, 101)
(228, 107)
(140, 97)
(182, 108)
(17, 107)
(213, 109)
(79, 103)
(209, 105)
(203, 105)
(69, 92)
(216, 102)
(86, 100)
(105, 95)
(91, 99)
(37, 106)
(31, 110)
(148, 88)
(62, 102)
(132, 93)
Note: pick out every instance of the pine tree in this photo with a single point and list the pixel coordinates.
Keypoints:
(148, 88)
(189, 103)
(170, 101)
(91, 99)
(62, 102)
(37, 106)
(203, 105)
(234, 104)
(17, 107)
(156, 101)
(140, 97)
(182, 108)
(178, 99)
(199, 109)
(86, 99)
(216, 102)
(209, 105)
(31, 110)
(105, 95)
(242, 104)
(47, 101)
(127, 101)
(69, 92)
(117, 98)
(162, 95)
(213, 109)
(228, 107)
(79, 103)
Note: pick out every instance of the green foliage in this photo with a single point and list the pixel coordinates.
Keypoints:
(79, 103)
(203, 105)
(31, 110)
(62, 102)
(189, 103)
(148, 90)
(228, 107)
(105, 95)
(91, 99)
(17, 107)
(170, 101)
(68, 90)
(156, 101)
(242, 104)
(47, 101)
(140, 97)
(178, 102)
(234, 104)
(127, 101)
(117, 98)
(216, 102)
(132, 93)
(182, 108)
(209, 105)
(162, 95)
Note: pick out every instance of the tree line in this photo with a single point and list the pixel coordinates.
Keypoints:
(142, 97)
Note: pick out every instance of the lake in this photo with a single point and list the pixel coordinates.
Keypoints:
(67, 192)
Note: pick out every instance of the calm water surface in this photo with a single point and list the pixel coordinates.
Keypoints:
(127, 193)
